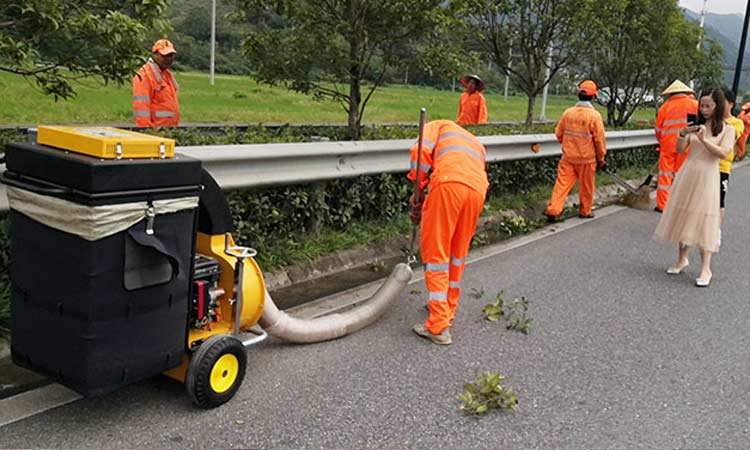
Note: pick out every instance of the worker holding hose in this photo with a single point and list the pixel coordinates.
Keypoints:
(452, 166)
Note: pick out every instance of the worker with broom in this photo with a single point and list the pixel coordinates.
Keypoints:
(671, 118)
(452, 164)
(584, 146)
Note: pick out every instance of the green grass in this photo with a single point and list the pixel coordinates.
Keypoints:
(237, 99)
(286, 252)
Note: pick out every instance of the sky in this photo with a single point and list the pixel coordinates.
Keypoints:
(716, 6)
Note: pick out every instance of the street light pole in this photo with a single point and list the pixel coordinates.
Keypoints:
(743, 40)
(542, 116)
(213, 41)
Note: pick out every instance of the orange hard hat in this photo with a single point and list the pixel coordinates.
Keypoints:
(746, 107)
(588, 87)
(164, 47)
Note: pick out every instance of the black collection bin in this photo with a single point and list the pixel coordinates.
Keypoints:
(99, 314)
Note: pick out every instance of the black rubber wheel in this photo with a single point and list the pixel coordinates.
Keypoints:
(216, 371)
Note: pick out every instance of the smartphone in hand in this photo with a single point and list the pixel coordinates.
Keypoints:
(692, 119)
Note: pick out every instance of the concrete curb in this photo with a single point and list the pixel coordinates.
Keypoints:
(364, 256)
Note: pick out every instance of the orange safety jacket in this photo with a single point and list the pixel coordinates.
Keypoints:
(745, 117)
(472, 109)
(581, 133)
(450, 154)
(672, 118)
(155, 101)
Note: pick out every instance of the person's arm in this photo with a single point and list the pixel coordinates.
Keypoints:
(460, 109)
(600, 140)
(741, 144)
(428, 145)
(482, 109)
(683, 139)
(725, 145)
(141, 101)
(560, 129)
(659, 124)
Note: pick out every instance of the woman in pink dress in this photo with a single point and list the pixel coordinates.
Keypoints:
(692, 218)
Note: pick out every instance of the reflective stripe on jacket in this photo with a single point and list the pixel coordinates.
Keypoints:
(450, 154)
(581, 133)
(672, 118)
(472, 109)
(155, 101)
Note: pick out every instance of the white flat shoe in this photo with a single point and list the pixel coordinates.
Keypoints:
(677, 270)
(703, 282)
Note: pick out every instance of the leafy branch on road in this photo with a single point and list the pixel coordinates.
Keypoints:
(486, 393)
(515, 313)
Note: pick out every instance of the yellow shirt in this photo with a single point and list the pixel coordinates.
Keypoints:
(725, 165)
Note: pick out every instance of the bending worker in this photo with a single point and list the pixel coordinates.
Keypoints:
(472, 107)
(672, 118)
(155, 89)
(453, 166)
(584, 146)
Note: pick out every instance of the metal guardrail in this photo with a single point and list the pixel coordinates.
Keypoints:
(243, 166)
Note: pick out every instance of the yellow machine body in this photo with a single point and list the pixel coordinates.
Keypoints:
(105, 142)
(253, 297)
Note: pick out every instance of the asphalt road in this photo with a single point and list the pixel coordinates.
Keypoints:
(620, 355)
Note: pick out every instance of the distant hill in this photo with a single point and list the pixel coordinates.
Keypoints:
(726, 29)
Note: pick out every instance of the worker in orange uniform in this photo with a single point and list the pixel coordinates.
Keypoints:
(744, 116)
(584, 146)
(672, 117)
(472, 108)
(453, 166)
(155, 101)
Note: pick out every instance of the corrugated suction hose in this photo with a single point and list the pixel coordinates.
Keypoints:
(305, 331)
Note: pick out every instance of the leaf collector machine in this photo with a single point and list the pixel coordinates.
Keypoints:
(123, 266)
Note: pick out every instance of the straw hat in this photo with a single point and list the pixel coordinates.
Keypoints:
(480, 84)
(678, 87)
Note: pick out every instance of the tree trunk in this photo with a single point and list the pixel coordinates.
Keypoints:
(355, 99)
(530, 110)
(611, 112)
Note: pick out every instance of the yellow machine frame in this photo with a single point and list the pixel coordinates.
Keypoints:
(253, 296)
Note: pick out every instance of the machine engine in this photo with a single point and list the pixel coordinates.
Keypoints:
(206, 292)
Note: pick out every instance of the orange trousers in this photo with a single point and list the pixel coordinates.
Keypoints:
(449, 219)
(567, 175)
(669, 163)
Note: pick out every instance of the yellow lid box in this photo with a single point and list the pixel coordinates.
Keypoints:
(105, 142)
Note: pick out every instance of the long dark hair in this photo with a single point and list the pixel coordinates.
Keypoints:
(716, 121)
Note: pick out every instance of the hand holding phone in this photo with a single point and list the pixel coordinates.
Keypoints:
(692, 119)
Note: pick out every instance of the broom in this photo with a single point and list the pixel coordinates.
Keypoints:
(637, 198)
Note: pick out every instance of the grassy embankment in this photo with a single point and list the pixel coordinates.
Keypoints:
(236, 99)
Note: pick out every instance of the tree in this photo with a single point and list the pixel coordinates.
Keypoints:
(634, 58)
(54, 42)
(542, 34)
(335, 49)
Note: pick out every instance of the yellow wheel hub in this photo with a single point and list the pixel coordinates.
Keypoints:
(224, 373)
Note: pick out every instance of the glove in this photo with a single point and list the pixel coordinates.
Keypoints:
(415, 210)
(601, 165)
